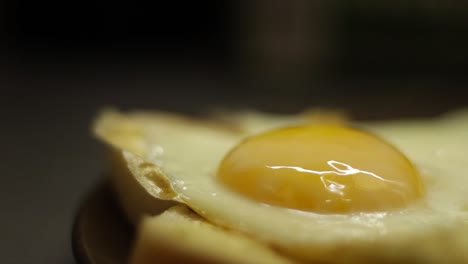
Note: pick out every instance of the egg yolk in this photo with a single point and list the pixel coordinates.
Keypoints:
(323, 169)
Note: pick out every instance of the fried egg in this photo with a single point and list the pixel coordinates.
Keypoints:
(335, 193)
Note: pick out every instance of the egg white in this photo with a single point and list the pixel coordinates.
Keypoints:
(187, 155)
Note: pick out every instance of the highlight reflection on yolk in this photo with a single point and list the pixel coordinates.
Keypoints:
(323, 169)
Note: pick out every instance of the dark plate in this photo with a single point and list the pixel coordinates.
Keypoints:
(100, 234)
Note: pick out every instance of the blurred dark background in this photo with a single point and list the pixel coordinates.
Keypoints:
(63, 60)
(265, 54)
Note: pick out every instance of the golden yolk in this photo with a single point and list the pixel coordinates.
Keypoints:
(323, 169)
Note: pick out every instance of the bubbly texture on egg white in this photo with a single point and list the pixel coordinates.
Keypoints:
(177, 159)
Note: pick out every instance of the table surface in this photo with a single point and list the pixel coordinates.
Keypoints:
(50, 159)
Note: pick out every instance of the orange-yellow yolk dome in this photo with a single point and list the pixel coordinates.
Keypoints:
(323, 169)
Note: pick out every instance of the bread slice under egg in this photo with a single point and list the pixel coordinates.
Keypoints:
(179, 235)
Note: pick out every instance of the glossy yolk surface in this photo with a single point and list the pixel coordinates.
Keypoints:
(323, 169)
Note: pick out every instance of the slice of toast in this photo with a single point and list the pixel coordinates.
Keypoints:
(181, 236)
